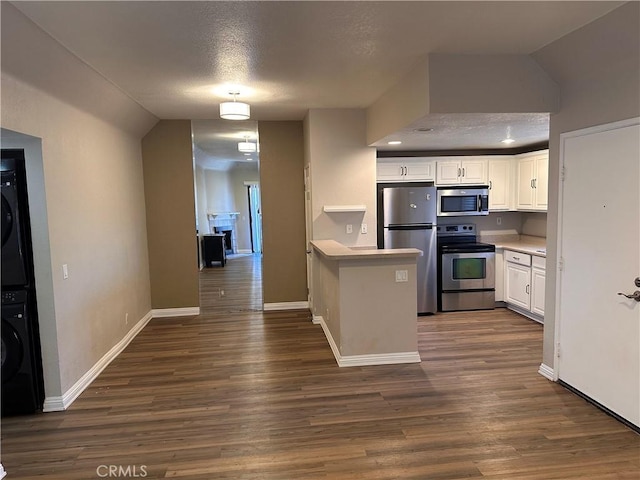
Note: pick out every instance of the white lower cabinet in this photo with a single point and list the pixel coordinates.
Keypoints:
(524, 284)
(538, 273)
(499, 275)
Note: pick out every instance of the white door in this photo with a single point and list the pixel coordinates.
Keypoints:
(599, 330)
(517, 285)
(525, 198)
(499, 183)
(474, 172)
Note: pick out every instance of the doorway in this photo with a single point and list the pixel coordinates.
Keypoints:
(227, 191)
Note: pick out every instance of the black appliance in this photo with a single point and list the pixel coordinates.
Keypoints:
(22, 380)
(407, 213)
(462, 201)
(22, 384)
(466, 270)
(213, 249)
(16, 268)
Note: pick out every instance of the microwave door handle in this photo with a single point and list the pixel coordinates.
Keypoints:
(479, 207)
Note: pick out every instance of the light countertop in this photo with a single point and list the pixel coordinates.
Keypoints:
(521, 243)
(337, 251)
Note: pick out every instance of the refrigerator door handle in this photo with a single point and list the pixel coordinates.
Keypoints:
(414, 226)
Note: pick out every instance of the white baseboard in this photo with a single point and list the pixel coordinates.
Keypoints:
(317, 319)
(547, 372)
(268, 307)
(244, 250)
(2, 472)
(175, 312)
(363, 360)
(57, 404)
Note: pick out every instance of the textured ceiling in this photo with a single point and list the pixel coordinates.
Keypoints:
(177, 59)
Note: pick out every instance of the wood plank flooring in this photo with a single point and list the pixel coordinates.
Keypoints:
(253, 395)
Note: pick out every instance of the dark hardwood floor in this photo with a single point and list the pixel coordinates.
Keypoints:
(241, 394)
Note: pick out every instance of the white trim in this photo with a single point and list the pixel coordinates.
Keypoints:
(547, 372)
(2, 472)
(363, 360)
(244, 250)
(175, 312)
(56, 404)
(316, 319)
(269, 307)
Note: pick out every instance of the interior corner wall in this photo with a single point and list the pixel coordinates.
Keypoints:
(284, 266)
(598, 70)
(170, 207)
(343, 172)
(404, 103)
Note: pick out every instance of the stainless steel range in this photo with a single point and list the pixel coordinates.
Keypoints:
(466, 269)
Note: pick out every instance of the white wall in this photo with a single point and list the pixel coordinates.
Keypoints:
(343, 172)
(93, 186)
(598, 70)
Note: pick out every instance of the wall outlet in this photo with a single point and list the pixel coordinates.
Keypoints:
(65, 271)
(363, 228)
(349, 228)
(499, 220)
(402, 276)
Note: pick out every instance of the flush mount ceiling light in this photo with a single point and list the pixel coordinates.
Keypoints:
(394, 142)
(246, 146)
(508, 140)
(234, 110)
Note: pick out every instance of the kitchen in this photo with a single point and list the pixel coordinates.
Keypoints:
(343, 172)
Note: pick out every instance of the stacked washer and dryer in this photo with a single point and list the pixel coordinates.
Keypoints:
(22, 381)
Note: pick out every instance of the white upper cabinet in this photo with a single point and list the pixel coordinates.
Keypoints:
(410, 169)
(500, 180)
(461, 171)
(532, 181)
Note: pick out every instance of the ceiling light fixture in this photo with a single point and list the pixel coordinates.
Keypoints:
(246, 146)
(234, 110)
(508, 140)
(394, 142)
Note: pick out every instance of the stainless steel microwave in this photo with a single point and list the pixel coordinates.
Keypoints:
(456, 202)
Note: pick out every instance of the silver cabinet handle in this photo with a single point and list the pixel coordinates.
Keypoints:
(532, 183)
(527, 289)
(463, 172)
(459, 171)
(490, 185)
(635, 295)
(535, 183)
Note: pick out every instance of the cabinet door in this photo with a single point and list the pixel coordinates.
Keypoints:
(541, 181)
(517, 284)
(537, 291)
(389, 171)
(419, 170)
(448, 172)
(474, 172)
(500, 184)
(525, 198)
(499, 275)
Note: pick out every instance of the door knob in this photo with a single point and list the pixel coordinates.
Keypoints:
(635, 295)
(637, 282)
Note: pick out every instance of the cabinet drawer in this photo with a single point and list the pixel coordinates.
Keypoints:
(539, 262)
(517, 257)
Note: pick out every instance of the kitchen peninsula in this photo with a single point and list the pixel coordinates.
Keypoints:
(365, 299)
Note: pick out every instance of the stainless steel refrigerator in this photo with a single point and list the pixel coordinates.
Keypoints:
(407, 218)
